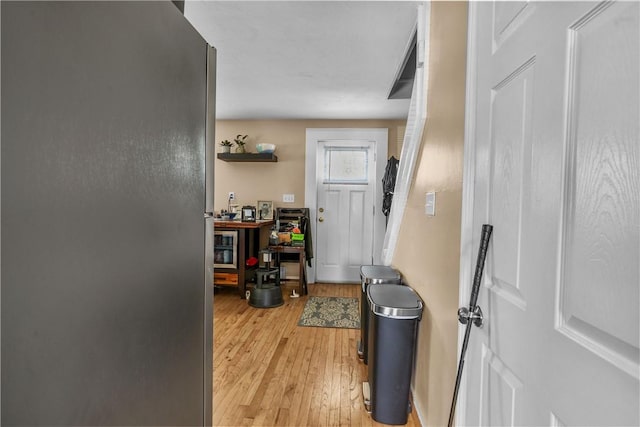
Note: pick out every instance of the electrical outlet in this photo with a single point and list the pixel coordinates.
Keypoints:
(288, 198)
(232, 195)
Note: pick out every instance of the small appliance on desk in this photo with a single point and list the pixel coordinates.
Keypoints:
(248, 214)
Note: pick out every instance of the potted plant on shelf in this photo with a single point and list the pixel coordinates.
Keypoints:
(240, 140)
(226, 146)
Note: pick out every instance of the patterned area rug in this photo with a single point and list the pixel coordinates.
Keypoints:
(331, 312)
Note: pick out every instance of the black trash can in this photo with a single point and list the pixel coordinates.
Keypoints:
(372, 275)
(394, 316)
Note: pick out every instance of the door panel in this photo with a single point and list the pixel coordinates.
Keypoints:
(358, 253)
(557, 166)
(501, 383)
(331, 222)
(601, 251)
(346, 170)
(510, 148)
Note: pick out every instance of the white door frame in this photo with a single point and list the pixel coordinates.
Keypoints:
(381, 137)
(468, 180)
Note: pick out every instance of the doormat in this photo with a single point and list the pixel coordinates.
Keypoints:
(331, 312)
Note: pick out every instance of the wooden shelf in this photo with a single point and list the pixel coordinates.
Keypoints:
(248, 157)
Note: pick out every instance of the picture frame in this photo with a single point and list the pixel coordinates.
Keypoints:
(265, 209)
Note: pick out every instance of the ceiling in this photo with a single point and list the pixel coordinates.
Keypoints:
(306, 59)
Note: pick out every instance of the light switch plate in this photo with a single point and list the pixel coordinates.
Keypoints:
(288, 198)
(430, 204)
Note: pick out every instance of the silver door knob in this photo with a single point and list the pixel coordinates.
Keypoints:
(320, 219)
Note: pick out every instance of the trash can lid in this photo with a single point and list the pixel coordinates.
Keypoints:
(375, 274)
(395, 302)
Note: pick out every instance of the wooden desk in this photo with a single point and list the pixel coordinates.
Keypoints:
(248, 246)
(302, 259)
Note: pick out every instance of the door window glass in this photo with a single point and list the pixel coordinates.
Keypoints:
(346, 165)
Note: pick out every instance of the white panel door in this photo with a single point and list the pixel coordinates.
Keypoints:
(556, 153)
(345, 173)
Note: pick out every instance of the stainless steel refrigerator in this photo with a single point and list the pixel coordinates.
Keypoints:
(107, 130)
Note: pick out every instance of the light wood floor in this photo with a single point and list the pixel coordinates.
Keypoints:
(270, 372)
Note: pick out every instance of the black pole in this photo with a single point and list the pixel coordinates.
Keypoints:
(452, 411)
(475, 289)
(482, 256)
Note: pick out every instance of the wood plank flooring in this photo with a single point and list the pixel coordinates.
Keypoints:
(270, 372)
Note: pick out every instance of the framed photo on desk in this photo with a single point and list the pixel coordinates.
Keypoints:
(265, 209)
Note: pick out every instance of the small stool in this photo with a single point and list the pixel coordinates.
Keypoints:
(266, 295)
(264, 274)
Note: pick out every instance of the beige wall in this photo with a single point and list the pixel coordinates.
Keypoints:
(428, 251)
(269, 181)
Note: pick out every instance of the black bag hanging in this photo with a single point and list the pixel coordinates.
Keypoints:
(389, 184)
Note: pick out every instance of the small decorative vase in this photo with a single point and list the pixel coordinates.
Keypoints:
(226, 148)
(240, 149)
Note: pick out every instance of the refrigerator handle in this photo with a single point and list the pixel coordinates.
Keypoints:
(210, 127)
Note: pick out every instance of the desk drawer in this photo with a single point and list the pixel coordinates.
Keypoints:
(228, 279)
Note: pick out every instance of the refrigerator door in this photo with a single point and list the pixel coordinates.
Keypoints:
(210, 127)
(105, 309)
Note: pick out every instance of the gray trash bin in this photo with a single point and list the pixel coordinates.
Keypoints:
(372, 275)
(394, 316)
